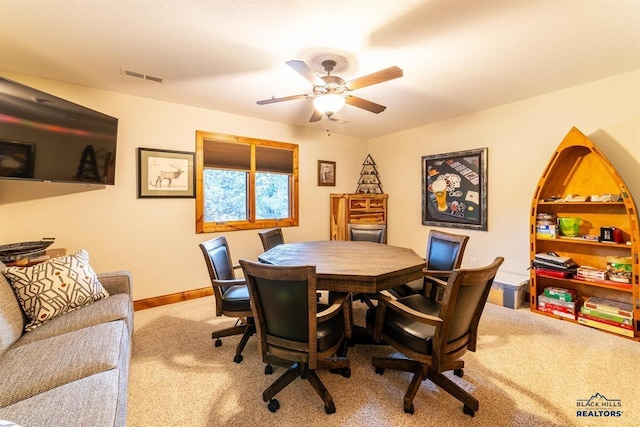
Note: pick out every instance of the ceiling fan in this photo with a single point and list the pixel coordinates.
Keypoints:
(330, 93)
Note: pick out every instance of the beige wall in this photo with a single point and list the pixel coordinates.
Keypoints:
(155, 238)
(521, 138)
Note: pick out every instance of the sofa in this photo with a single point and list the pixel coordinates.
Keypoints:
(71, 370)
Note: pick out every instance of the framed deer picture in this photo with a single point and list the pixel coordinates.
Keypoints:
(165, 173)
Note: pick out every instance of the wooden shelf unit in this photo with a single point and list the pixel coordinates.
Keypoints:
(355, 208)
(578, 167)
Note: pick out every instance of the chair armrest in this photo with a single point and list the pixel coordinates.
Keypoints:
(116, 282)
(332, 310)
(413, 314)
(230, 282)
(436, 273)
(436, 281)
(342, 302)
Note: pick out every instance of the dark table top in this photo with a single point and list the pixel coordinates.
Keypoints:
(347, 266)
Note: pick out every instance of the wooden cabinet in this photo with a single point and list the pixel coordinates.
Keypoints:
(355, 209)
(578, 167)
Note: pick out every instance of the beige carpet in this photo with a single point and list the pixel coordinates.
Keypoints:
(529, 370)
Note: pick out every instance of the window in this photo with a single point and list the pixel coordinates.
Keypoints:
(244, 183)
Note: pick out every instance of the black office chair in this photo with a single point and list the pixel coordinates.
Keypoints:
(376, 233)
(434, 335)
(231, 294)
(289, 328)
(271, 238)
(444, 254)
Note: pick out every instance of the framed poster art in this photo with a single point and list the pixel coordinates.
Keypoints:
(326, 173)
(454, 189)
(165, 173)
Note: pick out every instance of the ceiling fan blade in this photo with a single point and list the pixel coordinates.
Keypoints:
(364, 104)
(284, 98)
(305, 71)
(375, 78)
(316, 116)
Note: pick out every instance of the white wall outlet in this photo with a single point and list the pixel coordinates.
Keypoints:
(474, 262)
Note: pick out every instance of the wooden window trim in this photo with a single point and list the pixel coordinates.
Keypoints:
(252, 223)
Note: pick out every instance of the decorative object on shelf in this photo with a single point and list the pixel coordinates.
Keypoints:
(165, 173)
(369, 182)
(24, 250)
(579, 185)
(454, 189)
(569, 226)
(326, 173)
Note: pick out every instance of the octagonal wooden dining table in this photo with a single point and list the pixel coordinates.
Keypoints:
(351, 266)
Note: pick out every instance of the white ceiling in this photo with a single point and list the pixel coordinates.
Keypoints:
(458, 56)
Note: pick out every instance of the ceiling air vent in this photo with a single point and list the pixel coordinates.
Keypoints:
(141, 76)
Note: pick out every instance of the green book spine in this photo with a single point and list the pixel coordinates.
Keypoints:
(605, 315)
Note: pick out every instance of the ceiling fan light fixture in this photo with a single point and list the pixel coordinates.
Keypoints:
(329, 104)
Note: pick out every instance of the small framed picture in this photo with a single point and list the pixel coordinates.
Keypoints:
(165, 173)
(326, 173)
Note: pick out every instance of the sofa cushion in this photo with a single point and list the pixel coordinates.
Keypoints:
(116, 307)
(11, 317)
(31, 369)
(90, 401)
(55, 287)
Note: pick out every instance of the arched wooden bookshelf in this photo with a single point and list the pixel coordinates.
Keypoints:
(577, 167)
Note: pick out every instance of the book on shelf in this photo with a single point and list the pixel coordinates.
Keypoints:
(556, 304)
(604, 326)
(589, 314)
(561, 293)
(541, 271)
(591, 272)
(609, 306)
(560, 261)
(560, 313)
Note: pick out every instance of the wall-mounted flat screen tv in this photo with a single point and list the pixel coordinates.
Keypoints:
(46, 138)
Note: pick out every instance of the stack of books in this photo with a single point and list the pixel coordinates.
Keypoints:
(546, 226)
(554, 265)
(590, 274)
(608, 315)
(559, 301)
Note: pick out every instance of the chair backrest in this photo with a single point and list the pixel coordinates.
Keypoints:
(462, 305)
(445, 250)
(376, 233)
(283, 300)
(271, 238)
(218, 259)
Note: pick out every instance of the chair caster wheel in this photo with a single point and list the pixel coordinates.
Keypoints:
(468, 411)
(379, 371)
(218, 342)
(346, 372)
(330, 408)
(409, 410)
(458, 372)
(268, 370)
(273, 405)
(237, 358)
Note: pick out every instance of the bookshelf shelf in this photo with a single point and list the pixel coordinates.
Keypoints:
(577, 167)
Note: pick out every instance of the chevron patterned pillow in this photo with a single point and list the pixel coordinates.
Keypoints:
(55, 287)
